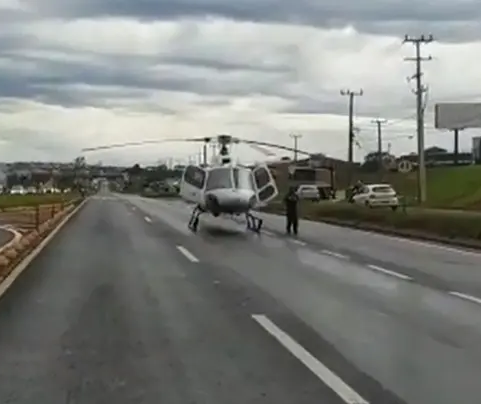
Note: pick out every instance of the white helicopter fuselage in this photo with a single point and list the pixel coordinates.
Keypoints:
(229, 201)
(230, 190)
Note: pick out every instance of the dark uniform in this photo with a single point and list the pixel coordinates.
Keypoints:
(291, 201)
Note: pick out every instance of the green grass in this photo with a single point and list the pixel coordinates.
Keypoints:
(447, 187)
(453, 209)
(11, 201)
(441, 223)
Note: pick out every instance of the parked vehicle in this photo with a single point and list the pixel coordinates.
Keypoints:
(18, 190)
(376, 195)
(309, 192)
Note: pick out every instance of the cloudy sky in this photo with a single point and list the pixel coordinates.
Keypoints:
(77, 73)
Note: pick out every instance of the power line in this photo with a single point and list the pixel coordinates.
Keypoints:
(351, 95)
(420, 90)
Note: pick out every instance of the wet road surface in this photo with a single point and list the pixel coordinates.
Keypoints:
(127, 306)
(5, 236)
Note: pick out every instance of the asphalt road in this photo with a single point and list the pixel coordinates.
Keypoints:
(127, 306)
(5, 236)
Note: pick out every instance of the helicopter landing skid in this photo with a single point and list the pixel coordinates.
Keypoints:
(254, 223)
(194, 219)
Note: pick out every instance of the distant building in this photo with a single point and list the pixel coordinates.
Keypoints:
(477, 149)
(3, 177)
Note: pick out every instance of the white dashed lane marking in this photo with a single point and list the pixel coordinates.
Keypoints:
(390, 273)
(335, 254)
(191, 257)
(464, 296)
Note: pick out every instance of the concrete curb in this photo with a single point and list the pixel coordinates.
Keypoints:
(23, 265)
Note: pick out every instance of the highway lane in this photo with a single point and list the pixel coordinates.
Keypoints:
(115, 310)
(445, 268)
(448, 268)
(413, 339)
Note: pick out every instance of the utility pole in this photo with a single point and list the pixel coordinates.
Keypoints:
(379, 123)
(420, 90)
(456, 146)
(296, 137)
(350, 156)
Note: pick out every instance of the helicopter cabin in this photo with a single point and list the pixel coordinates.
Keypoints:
(196, 181)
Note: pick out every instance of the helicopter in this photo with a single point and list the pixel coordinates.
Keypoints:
(227, 188)
(223, 187)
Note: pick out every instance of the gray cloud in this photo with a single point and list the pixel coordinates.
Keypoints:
(372, 16)
(61, 82)
(210, 74)
(121, 81)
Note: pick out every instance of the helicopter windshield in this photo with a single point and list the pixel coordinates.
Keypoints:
(243, 178)
(219, 178)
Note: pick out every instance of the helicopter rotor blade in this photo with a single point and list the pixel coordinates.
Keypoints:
(262, 150)
(234, 140)
(274, 146)
(120, 145)
(144, 142)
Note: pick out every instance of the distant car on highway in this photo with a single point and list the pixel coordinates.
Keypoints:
(377, 195)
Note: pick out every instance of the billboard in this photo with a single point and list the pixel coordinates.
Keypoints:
(457, 115)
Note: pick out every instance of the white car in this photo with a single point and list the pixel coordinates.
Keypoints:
(377, 195)
(310, 192)
(18, 190)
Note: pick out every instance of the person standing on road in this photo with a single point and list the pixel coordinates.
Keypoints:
(291, 201)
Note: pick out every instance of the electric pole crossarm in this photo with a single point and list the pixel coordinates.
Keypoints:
(422, 59)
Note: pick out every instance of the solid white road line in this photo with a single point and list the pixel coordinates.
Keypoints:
(330, 379)
(148, 219)
(390, 273)
(191, 257)
(335, 254)
(267, 233)
(466, 297)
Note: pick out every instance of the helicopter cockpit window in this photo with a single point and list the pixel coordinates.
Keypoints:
(219, 178)
(195, 176)
(243, 178)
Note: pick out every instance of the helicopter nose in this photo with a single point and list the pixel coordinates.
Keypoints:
(235, 201)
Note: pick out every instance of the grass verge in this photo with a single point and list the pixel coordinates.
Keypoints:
(11, 201)
(456, 227)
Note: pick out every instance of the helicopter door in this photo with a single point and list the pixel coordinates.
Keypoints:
(192, 184)
(265, 185)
